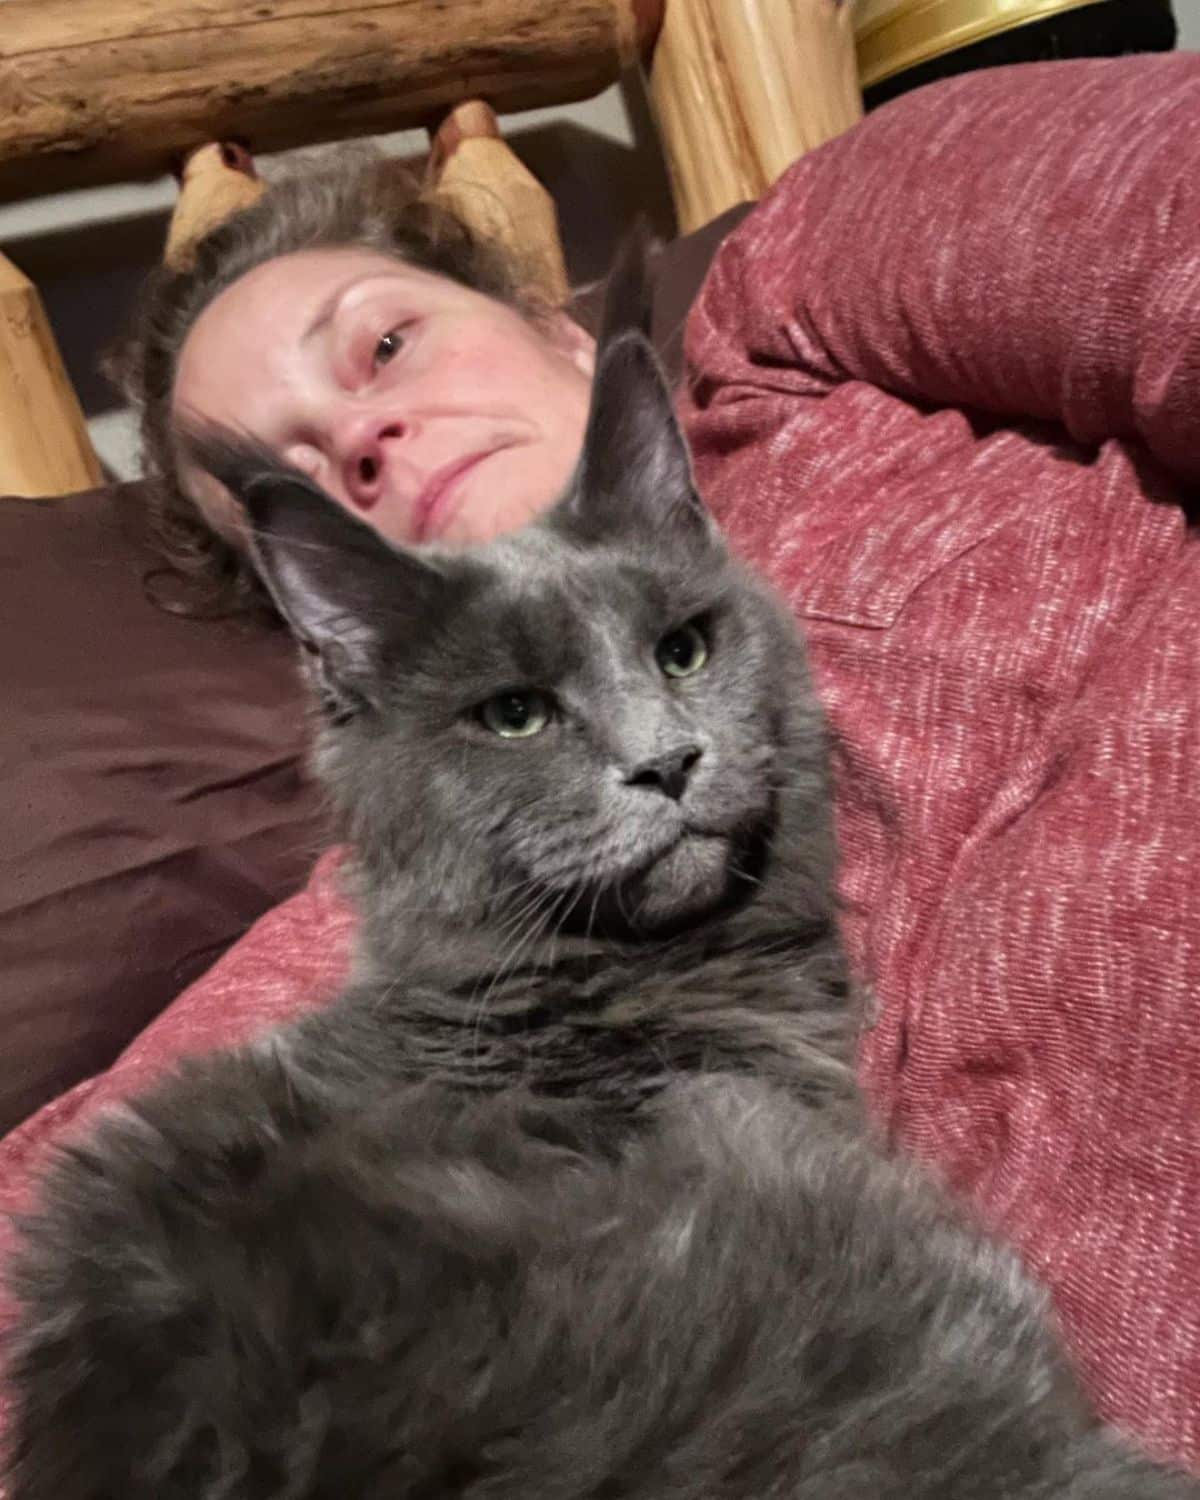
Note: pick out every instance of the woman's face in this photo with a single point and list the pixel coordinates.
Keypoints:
(434, 412)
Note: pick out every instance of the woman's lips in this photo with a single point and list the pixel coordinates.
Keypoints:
(430, 510)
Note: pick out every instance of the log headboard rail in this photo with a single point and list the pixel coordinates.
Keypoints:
(98, 91)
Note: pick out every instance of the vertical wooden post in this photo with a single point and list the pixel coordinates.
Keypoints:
(44, 445)
(741, 88)
(475, 173)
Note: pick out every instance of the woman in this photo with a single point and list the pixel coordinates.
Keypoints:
(376, 344)
(945, 390)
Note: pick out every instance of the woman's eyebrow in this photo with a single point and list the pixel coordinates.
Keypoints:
(329, 305)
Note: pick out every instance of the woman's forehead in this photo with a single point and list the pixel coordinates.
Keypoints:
(246, 349)
(286, 295)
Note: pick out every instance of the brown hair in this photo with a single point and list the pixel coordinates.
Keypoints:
(351, 198)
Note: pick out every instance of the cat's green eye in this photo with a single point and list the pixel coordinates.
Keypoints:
(682, 652)
(516, 716)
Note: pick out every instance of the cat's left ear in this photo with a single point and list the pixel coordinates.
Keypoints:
(635, 472)
(346, 593)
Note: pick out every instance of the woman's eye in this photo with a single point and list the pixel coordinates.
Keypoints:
(516, 716)
(682, 652)
(387, 348)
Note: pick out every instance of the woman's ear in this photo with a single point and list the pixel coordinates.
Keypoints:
(221, 510)
(575, 342)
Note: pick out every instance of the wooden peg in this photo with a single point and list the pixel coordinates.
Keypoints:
(217, 180)
(44, 445)
(741, 88)
(473, 171)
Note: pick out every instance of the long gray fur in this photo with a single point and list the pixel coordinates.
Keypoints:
(571, 1193)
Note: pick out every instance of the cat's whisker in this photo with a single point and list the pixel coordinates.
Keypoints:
(535, 917)
(518, 929)
(596, 894)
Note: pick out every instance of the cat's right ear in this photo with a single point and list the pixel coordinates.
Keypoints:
(628, 295)
(343, 590)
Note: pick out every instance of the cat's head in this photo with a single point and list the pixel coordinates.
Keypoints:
(590, 719)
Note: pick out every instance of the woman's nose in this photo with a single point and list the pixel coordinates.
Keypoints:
(362, 457)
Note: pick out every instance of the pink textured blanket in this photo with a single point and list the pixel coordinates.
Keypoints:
(946, 393)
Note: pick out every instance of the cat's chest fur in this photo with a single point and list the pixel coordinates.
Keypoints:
(594, 1022)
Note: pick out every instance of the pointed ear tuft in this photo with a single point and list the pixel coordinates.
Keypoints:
(342, 589)
(635, 472)
(628, 293)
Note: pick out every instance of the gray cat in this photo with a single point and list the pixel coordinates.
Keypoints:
(571, 1193)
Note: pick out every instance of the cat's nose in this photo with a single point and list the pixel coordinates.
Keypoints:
(667, 773)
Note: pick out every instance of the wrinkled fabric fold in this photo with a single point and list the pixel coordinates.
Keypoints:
(946, 391)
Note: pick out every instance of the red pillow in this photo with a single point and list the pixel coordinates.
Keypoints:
(946, 390)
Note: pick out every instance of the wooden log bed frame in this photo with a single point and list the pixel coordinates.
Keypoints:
(100, 91)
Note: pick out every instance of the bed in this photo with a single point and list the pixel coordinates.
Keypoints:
(155, 800)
